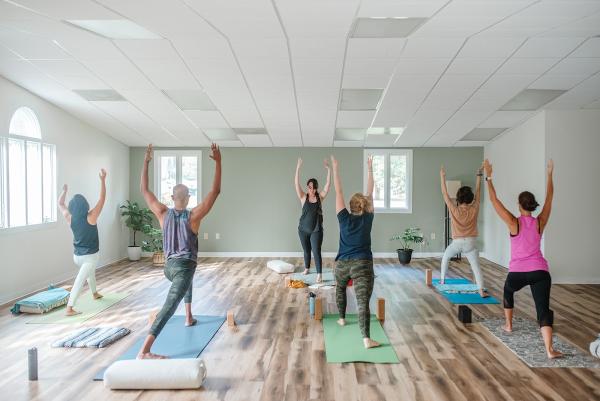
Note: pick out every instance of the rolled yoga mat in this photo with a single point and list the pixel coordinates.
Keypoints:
(85, 304)
(345, 343)
(176, 340)
(460, 298)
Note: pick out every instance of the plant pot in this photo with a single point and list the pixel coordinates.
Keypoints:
(404, 255)
(147, 254)
(158, 259)
(134, 253)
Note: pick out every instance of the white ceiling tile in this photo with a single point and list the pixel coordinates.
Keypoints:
(322, 48)
(432, 48)
(577, 66)
(551, 81)
(474, 65)
(230, 144)
(387, 8)
(355, 119)
(548, 47)
(380, 140)
(318, 66)
(490, 47)
(421, 65)
(527, 65)
(287, 141)
(374, 48)
(256, 140)
(506, 119)
(147, 49)
(365, 81)
(590, 48)
(168, 74)
(348, 144)
(207, 119)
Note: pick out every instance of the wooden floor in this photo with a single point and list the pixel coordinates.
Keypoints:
(277, 353)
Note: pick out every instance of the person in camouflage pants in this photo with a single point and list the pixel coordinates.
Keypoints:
(363, 277)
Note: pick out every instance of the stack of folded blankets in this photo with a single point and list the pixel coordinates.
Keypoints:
(94, 337)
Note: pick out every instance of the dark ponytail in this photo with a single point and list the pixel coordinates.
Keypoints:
(316, 187)
(527, 201)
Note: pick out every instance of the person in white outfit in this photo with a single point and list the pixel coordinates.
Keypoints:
(85, 240)
(463, 215)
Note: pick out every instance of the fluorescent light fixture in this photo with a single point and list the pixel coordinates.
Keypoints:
(100, 95)
(250, 131)
(386, 27)
(190, 99)
(114, 28)
(360, 99)
(483, 134)
(385, 131)
(220, 134)
(350, 134)
(532, 99)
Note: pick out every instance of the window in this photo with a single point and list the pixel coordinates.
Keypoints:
(27, 173)
(172, 167)
(392, 173)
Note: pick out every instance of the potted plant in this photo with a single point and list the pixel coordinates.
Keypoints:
(136, 218)
(154, 244)
(410, 236)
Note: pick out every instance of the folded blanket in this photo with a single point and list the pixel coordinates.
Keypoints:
(457, 288)
(42, 302)
(595, 347)
(93, 337)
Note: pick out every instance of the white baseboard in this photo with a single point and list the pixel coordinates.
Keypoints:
(415, 255)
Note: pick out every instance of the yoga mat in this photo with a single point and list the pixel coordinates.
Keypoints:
(526, 342)
(458, 288)
(463, 298)
(345, 344)
(85, 304)
(176, 340)
(311, 278)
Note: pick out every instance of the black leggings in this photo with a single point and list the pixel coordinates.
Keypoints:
(312, 241)
(540, 283)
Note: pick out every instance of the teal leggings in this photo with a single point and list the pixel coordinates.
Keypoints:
(180, 272)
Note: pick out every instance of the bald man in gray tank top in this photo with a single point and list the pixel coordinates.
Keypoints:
(180, 242)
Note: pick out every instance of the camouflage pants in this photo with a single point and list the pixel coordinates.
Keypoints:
(363, 277)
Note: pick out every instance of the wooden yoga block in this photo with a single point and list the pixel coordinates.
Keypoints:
(230, 319)
(318, 308)
(464, 313)
(428, 276)
(381, 309)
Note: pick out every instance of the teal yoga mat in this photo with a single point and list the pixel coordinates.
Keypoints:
(463, 298)
(176, 340)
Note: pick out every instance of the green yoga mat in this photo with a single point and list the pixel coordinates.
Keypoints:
(345, 344)
(85, 304)
(311, 278)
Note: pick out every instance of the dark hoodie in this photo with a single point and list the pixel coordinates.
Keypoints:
(85, 235)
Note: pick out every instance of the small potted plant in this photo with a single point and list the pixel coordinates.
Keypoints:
(410, 236)
(154, 244)
(136, 218)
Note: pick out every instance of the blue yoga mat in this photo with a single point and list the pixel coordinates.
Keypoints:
(176, 340)
(464, 299)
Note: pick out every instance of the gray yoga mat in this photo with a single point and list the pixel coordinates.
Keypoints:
(526, 342)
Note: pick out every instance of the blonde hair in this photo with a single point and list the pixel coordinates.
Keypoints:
(358, 204)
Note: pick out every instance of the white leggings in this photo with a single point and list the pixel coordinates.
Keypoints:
(466, 246)
(87, 271)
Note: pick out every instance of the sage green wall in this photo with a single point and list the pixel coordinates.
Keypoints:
(258, 211)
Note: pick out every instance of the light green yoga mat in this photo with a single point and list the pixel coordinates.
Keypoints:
(85, 304)
(345, 344)
(311, 278)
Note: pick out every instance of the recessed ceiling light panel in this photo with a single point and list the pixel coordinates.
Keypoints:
(221, 134)
(250, 131)
(360, 99)
(532, 99)
(350, 134)
(114, 28)
(190, 99)
(483, 134)
(100, 95)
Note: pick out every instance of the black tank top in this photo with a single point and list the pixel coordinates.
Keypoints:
(310, 220)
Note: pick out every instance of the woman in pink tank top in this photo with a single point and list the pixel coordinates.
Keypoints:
(527, 266)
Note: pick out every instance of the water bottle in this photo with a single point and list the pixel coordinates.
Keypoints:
(32, 363)
(311, 303)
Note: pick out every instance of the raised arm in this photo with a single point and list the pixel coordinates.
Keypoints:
(207, 203)
(337, 183)
(444, 188)
(62, 206)
(325, 190)
(545, 214)
(478, 184)
(510, 220)
(157, 208)
(370, 184)
(95, 212)
(299, 192)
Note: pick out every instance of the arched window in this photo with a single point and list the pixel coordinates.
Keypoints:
(27, 173)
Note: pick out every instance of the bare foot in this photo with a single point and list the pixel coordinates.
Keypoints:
(483, 292)
(370, 343)
(150, 355)
(190, 322)
(97, 295)
(319, 278)
(507, 328)
(305, 271)
(341, 322)
(72, 312)
(552, 354)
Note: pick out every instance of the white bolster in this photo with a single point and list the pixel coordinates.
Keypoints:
(155, 374)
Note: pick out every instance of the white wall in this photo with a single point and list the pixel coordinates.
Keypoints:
(518, 159)
(573, 142)
(31, 258)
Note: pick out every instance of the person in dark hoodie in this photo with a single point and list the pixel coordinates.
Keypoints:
(85, 239)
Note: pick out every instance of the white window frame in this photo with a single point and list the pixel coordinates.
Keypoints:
(5, 181)
(178, 154)
(409, 177)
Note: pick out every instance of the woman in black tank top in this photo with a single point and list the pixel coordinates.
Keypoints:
(310, 226)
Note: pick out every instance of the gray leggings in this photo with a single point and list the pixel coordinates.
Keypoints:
(180, 272)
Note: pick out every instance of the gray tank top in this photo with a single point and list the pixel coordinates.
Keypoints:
(85, 236)
(179, 241)
(310, 220)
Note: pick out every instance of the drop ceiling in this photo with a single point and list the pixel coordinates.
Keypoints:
(314, 73)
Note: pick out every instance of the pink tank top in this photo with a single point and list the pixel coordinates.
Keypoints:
(525, 252)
